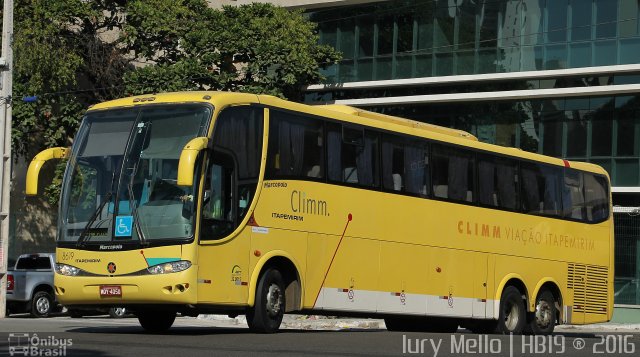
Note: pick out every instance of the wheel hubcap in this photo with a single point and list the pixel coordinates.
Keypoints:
(119, 311)
(274, 300)
(511, 316)
(544, 316)
(42, 305)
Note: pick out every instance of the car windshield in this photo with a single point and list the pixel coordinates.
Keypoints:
(121, 179)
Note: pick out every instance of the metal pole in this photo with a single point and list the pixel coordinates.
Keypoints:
(5, 146)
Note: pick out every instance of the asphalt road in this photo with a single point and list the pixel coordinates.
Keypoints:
(99, 337)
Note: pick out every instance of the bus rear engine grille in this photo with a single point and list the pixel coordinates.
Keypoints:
(589, 284)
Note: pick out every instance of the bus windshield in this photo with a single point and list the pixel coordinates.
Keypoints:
(121, 180)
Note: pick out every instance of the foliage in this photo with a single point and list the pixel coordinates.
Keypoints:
(257, 48)
(52, 59)
(89, 51)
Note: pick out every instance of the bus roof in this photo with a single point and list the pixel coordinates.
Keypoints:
(401, 121)
(347, 114)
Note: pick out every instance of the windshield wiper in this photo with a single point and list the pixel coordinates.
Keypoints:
(134, 210)
(94, 216)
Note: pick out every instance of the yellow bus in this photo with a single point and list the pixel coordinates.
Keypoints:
(230, 203)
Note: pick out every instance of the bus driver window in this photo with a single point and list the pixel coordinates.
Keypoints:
(217, 208)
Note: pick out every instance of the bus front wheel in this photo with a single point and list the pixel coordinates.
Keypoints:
(268, 310)
(512, 317)
(156, 321)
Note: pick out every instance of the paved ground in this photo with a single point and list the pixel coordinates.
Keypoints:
(220, 336)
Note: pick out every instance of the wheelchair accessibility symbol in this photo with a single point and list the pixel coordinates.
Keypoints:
(123, 226)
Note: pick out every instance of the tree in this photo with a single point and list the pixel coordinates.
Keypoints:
(257, 48)
(89, 51)
(86, 49)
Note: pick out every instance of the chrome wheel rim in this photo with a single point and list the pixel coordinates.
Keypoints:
(119, 311)
(42, 305)
(544, 315)
(274, 300)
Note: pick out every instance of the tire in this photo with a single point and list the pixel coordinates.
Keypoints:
(268, 310)
(156, 321)
(41, 304)
(543, 320)
(117, 312)
(512, 316)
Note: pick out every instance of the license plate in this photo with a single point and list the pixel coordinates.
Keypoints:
(110, 290)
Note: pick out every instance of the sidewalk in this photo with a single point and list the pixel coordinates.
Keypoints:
(314, 322)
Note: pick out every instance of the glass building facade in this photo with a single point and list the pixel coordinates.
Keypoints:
(424, 38)
(557, 77)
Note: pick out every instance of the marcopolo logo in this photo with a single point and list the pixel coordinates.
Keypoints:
(25, 344)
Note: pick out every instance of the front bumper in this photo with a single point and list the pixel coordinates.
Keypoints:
(174, 288)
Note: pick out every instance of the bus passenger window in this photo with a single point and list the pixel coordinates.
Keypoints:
(497, 182)
(405, 165)
(392, 162)
(352, 155)
(416, 167)
(596, 197)
(573, 195)
(295, 146)
(541, 189)
(453, 173)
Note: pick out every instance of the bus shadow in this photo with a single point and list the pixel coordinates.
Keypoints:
(203, 330)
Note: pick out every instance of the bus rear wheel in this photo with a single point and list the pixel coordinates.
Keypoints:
(156, 321)
(268, 310)
(543, 320)
(512, 317)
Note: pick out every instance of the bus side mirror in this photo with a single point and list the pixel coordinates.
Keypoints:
(36, 164)
(187, 162)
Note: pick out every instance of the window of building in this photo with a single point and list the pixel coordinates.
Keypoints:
(606, 18)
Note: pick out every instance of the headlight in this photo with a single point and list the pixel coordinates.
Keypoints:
(172, 267)
(68, 270)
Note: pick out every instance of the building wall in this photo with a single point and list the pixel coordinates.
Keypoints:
(33, 220)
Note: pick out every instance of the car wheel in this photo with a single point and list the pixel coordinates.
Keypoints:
(268, 310)
(41, 304)
(117, 312)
